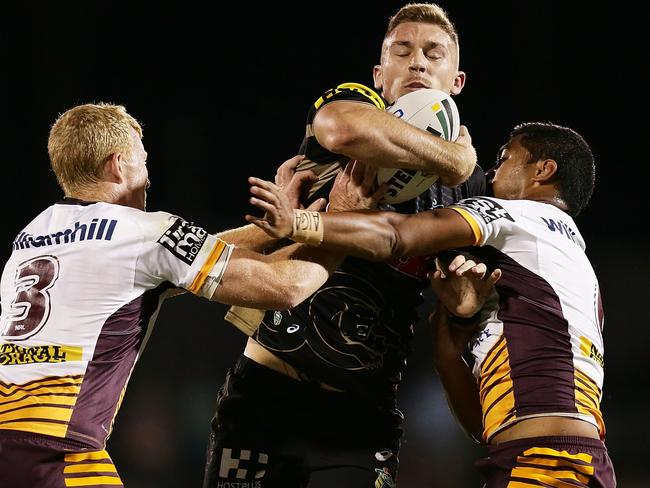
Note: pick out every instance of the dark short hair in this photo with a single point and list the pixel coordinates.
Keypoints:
(576, 169)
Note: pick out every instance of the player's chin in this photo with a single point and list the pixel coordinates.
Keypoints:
(410, 89)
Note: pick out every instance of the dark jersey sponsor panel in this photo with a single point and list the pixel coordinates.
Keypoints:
(355, 332)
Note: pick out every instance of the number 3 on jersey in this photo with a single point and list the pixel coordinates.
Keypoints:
(31, 306)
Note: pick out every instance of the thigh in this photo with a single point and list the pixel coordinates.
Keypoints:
(250, 445)
(364, 473)
(244, 460)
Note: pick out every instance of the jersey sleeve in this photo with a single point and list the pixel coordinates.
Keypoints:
(180, 252)
(491, 219)
(351, 92)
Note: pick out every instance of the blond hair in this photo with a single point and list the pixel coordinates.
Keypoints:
(84, 137)
(428, 13)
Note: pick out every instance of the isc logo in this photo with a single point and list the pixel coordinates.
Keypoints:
(183, 240)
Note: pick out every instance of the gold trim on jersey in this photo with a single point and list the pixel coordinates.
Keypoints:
(588, 396)
(215, 254)
(42, 406)
(476, 230)
(496, 389)
(369, 93)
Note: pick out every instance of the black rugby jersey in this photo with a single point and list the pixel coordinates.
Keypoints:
(355, 332)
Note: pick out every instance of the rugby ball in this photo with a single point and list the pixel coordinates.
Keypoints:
(433, 111)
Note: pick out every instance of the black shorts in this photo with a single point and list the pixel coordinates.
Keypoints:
(272, 431)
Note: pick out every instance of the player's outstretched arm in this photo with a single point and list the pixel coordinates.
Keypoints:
(292, 185)
(460, 385)
(376, 236)
(378, 138)
(276, 281)
(462, 287)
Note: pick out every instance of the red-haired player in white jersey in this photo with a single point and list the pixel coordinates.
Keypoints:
(534, 395)
(83, 287)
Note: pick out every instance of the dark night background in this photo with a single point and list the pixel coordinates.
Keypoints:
(222, 94)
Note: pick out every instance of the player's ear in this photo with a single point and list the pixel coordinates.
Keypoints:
(459, 83)
(377, 77)
(546, 169)
(114, 168)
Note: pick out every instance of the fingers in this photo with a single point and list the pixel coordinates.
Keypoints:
(286, 170)
(264, 225)
(269, 208)
(267, 197)
(458, 261)
(439, 268)
(494, 276)
(266, 193)
(300, 182)
(461, 266)
(317, 205)
(266, 185)
(347, 171)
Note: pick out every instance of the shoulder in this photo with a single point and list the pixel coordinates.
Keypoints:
(139, 223)
(490, 209)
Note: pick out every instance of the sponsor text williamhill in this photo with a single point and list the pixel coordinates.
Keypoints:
(97, 230)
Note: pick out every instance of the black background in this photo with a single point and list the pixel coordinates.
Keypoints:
(222, 93)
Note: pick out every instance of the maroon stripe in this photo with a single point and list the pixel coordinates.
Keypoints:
(537, 337)
(115, 353)
(38, 395)
(589, 383)
(34, 419)
(41, 382)
(501, 345)
(494, 384)
(485, 379)
(89, 474)
(486, 411)
(527, 481)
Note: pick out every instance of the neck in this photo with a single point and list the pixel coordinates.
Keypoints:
(95, 193)
(555, 201)
(545, 194)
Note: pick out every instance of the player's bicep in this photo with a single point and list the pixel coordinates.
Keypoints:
(433, 231)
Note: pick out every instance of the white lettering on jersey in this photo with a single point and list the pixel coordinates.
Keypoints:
(488, 210)
(183, 240)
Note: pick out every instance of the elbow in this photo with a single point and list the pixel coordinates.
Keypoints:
(340, 141)
(336, 134)
(393, 248)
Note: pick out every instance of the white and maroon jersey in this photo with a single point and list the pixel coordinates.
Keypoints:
(80, 294)
(540, 352)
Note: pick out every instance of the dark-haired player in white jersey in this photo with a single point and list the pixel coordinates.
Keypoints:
(535, 393)
(83, 287)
